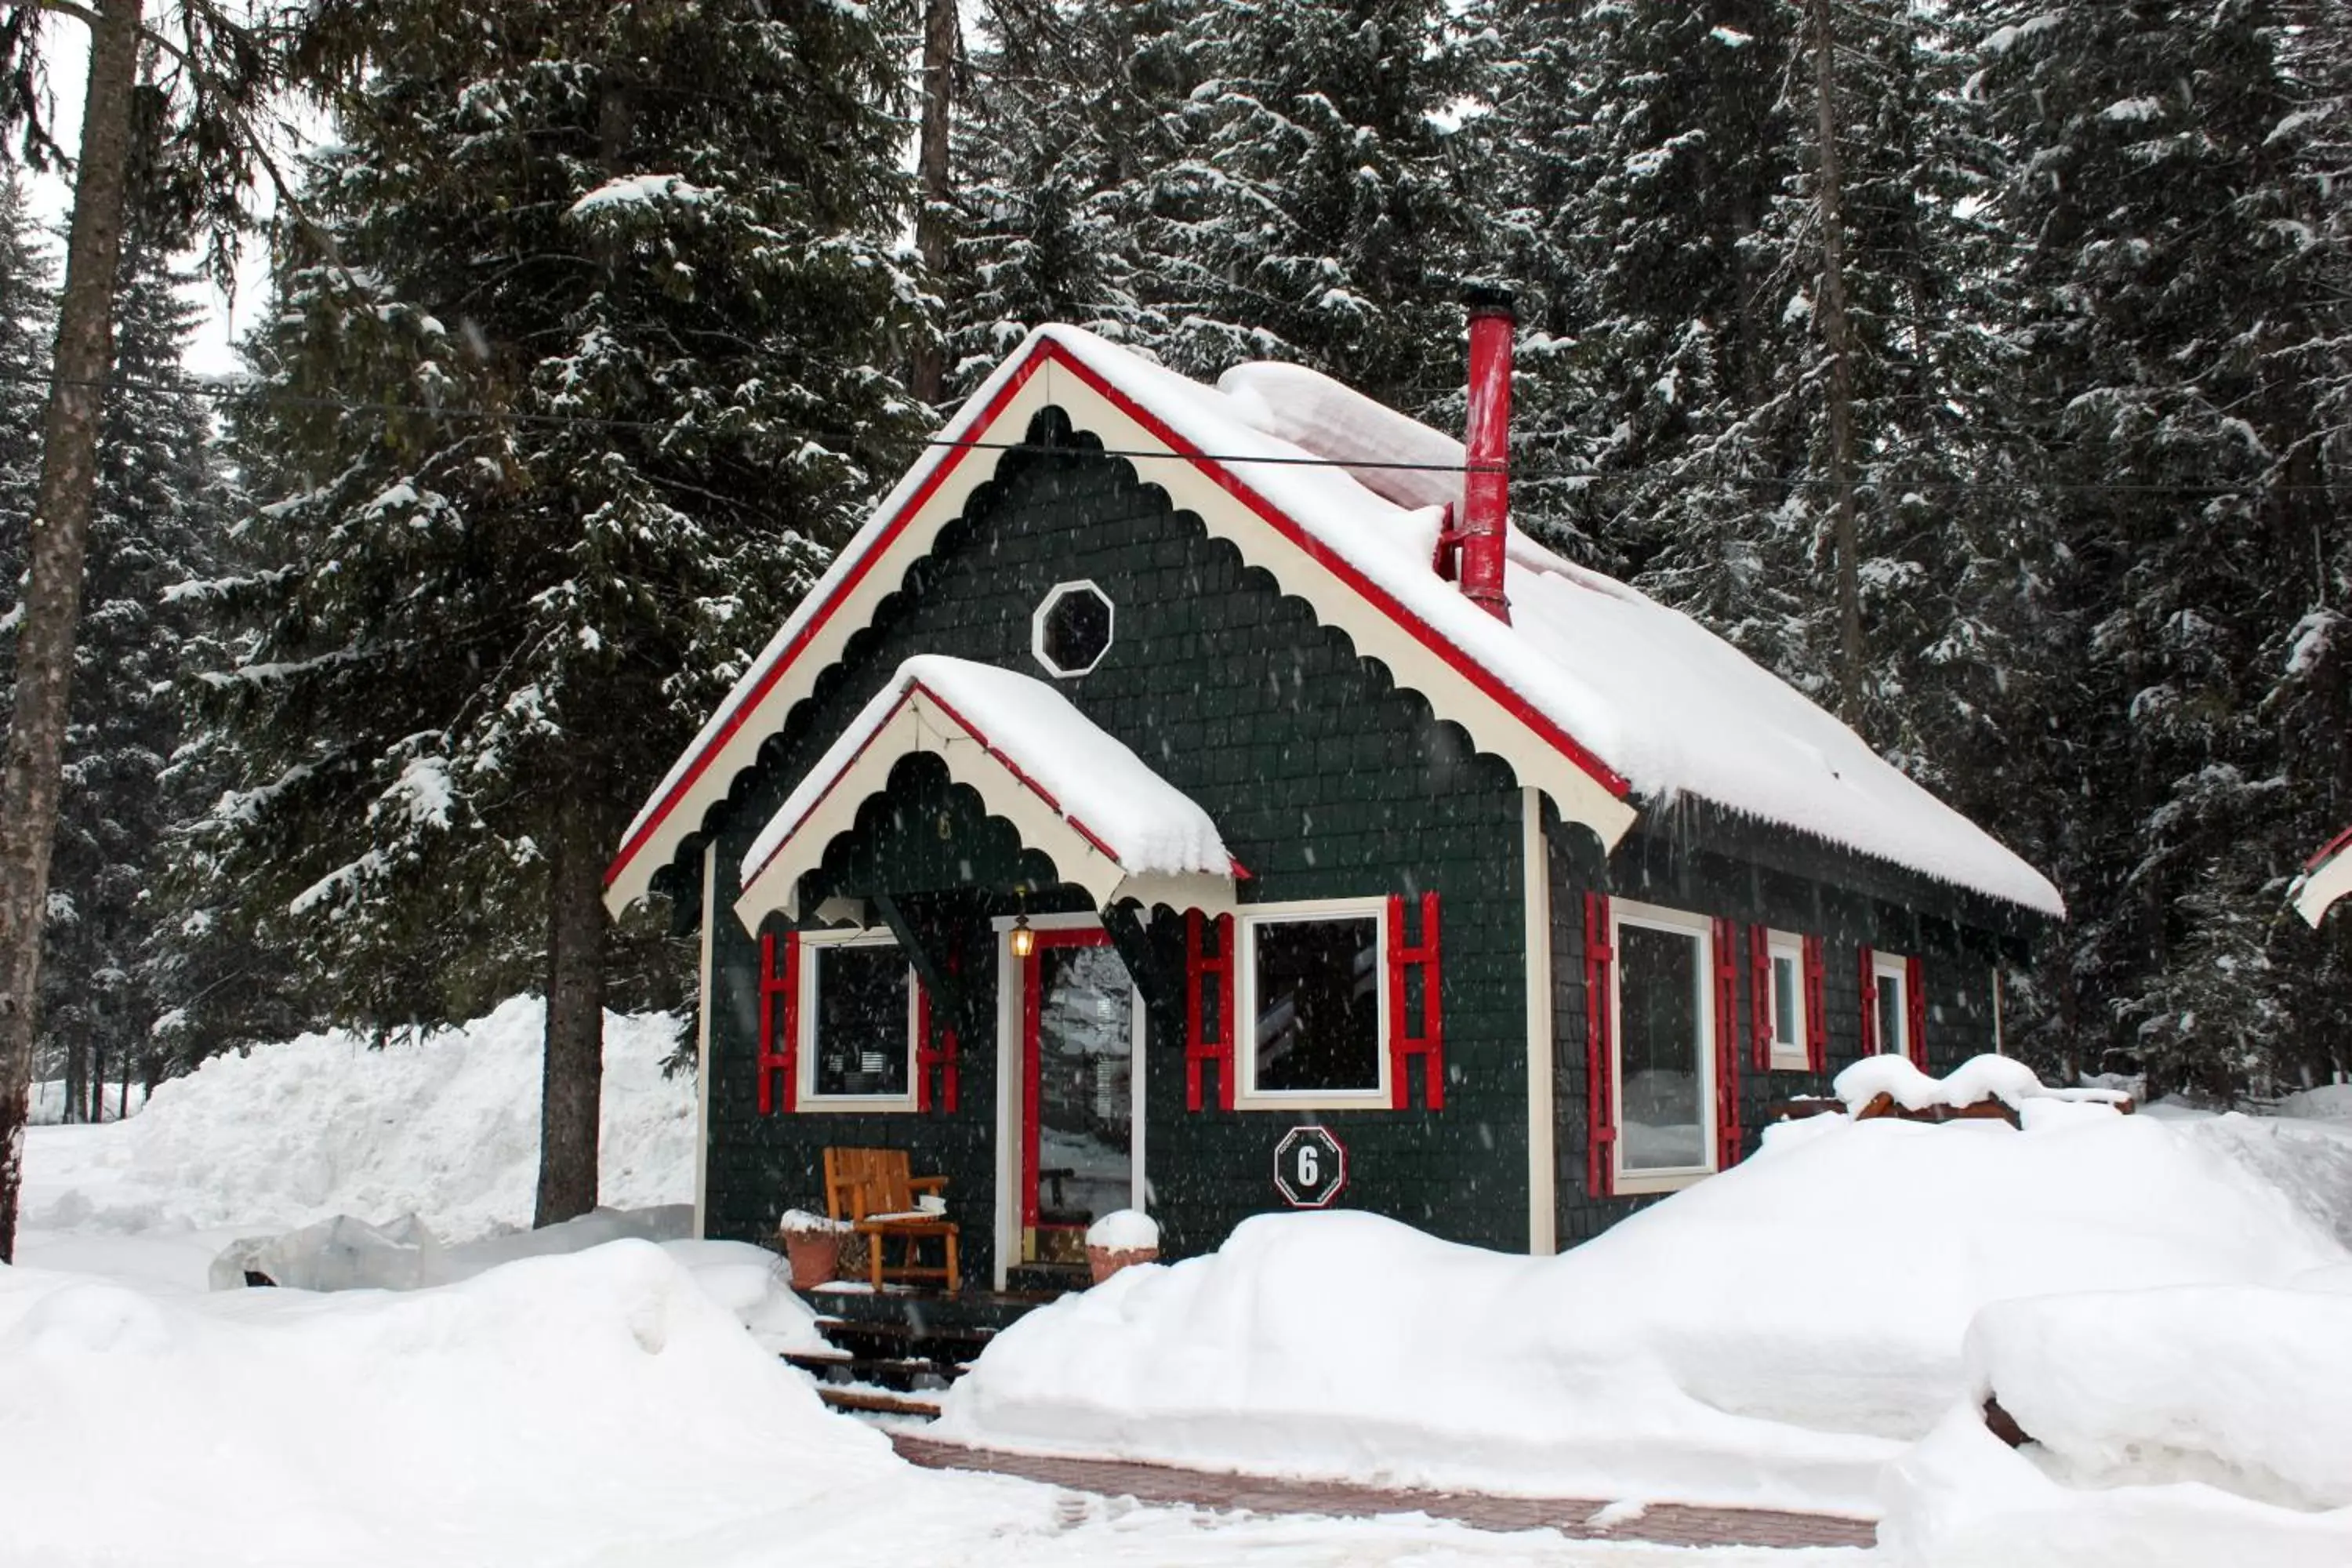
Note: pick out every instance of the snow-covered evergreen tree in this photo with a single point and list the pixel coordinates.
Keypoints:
(27, 276)
(609, 285)
(1065, 101)
(160, 506)
(2182, 301)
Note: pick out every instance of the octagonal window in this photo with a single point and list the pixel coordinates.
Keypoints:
(1072, 628)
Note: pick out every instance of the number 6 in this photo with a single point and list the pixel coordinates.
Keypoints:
(1310, 1168)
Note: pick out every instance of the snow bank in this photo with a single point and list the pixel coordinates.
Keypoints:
(292, 1134)
(2170, 1428)
(529, 1416)
(1772, 1335)
(2248, 1389)
(347, 1254)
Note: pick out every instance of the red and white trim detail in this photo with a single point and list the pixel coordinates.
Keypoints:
(1543, 754)
(2326, 877)
(1914, 1011)
(922, 721)
(1817, 1007)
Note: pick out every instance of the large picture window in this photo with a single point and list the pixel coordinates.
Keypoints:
(857, 1024)
(1313, 1030)
(1664, 1039)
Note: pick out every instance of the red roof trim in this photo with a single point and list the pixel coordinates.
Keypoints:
(1339, 567)
(2330, 850)
(866, 563)
(1047, 352)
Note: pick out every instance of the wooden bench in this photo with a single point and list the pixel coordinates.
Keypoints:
(874, 1190)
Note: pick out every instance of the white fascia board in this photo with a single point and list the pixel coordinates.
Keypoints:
(918, 724)
(1211, 491)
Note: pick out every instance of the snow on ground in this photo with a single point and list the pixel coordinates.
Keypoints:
(1775, 1334)
(519, 1401)
(445, 1127)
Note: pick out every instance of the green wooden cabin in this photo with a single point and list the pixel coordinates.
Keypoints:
(1534, 909)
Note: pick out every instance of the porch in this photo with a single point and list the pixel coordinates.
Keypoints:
(896, 1351)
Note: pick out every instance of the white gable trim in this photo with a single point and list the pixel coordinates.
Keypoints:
(1540, 755)
(920, 722)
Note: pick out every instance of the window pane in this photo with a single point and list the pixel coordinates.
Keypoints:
(1891, 1016)
(1662, 1102)
(1784, 1000)
(861, 1020)
(1318, 1023)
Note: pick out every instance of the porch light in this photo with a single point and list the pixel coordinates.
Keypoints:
(1024, 940)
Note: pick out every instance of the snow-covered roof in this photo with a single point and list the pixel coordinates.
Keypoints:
(1111, 823)
(1591, 691)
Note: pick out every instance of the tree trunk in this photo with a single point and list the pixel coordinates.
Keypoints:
(1836, 338)
(573, 1071)
(929, 380)
(58, 538)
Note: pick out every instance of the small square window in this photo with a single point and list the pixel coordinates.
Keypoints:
(1891, 974)
(1311, 1005)
(856, 1024)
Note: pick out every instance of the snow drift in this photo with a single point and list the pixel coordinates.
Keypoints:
(2170, 1428)
(528, 1415)
(292, 1134)
(1773, 1335)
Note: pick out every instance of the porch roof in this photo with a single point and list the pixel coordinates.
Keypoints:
(1073, 791)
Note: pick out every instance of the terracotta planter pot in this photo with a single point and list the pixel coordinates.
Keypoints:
(815, 1256)
(1102, 1262)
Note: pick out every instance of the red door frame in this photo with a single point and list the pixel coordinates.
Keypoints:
(1032, 1050)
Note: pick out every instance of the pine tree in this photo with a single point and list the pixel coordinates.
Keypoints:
(652, 305)
(1304, 203)
(28, 276)
(1063, 102)
(160, 506)
(2182, 302)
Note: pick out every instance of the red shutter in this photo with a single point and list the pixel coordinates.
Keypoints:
(1726, 1046)
(1914, 998)
(1817, 1008)
(1599, 1109)
(1869, 1037)
(1759, 998)
(779, 1019)
(1203, 969)
(1404, 1044)
(935, 1052)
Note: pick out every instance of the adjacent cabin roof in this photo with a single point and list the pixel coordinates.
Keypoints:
(1607, 700)
(2326, 877)
(1110, 824)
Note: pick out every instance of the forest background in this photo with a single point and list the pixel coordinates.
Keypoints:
(1982, 367)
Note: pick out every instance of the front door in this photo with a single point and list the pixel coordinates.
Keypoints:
(1078, 1058)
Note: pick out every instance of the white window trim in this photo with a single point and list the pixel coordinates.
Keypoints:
(1788, 1055)
(813, 944)
(1894, 966)
(1247, 1096)
(1621, 914)
(1055, 596)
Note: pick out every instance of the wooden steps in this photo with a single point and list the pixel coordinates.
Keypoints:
(894, 1353)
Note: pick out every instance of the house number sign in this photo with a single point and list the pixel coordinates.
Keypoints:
(1310, 1166)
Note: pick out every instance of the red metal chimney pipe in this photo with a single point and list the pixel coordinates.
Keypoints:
(1487, 488)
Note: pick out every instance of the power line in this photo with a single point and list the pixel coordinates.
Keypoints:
(1303, 460)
